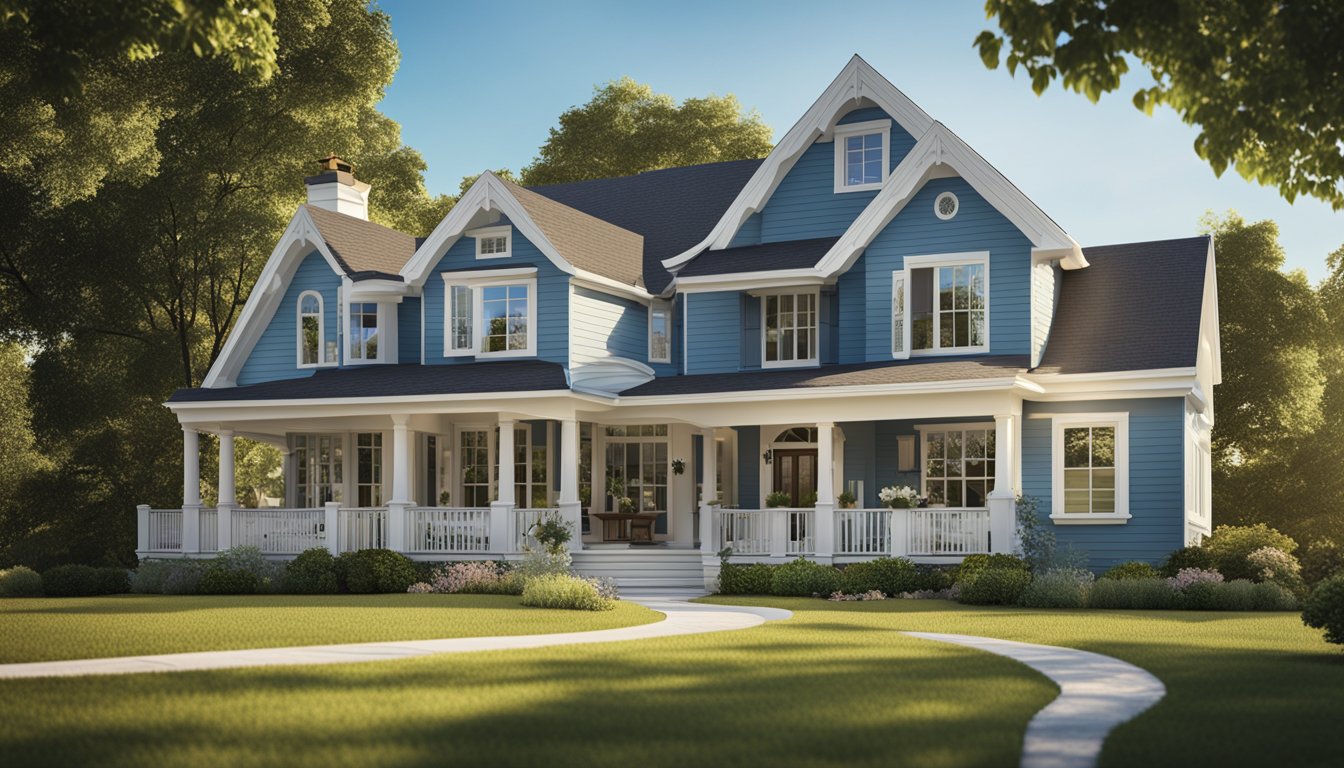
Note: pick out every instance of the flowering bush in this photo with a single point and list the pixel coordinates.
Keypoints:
(481, 577)
(1274, 565)
(1230, 547)
(899, 496)
(420, 588)
(841, 597)
(950, 593)
(1186, 577)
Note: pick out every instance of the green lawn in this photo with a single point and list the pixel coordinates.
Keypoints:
(37, 629)
(834, 686)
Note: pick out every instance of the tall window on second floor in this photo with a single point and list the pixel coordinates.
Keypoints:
(363, 331)
(314, 350)
(494, 319)
(504, 319)
(941, 308)
(790, 329)
(660, 333)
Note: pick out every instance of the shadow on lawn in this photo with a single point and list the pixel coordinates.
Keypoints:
(148, 604)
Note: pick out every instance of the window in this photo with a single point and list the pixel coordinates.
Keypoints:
(790, 329)
(369, 469)
(318, 468)
(862, 155)
(660, 333)
(638, 454)
(958, 465)
(363, 331)
(476, 467)
(490, 319)
(1091, 468)
(530, 488)
(314, 350)
(586, 472)
(946, 206)
(940, 304)
(492, 242)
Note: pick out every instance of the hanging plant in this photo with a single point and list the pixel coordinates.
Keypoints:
(678, 466)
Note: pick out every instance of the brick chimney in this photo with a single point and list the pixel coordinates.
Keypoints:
(335, 188)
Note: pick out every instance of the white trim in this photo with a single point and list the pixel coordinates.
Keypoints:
(901, 286)
(379, 290)
(686, 335)
(664, 308)
(1058, 422)
(751, 281)
(923, 466)
(935, 262)
(474, 281)
(468, 275)
(938, 205)
(867, 128)
(596, 282)
(489, 233)
(815, 329)
(321, 332)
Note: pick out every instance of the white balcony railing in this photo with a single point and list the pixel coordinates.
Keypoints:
(948, 531)
(448, 529)
(280, 531)
(361, 528)
(775, 531)
(863, 532)
(524, 520)
(165, 530)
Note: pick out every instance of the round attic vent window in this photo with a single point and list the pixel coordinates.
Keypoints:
(946, 206)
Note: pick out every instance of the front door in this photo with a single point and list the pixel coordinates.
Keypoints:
(796, 475)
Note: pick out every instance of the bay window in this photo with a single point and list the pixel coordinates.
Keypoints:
(789, 335)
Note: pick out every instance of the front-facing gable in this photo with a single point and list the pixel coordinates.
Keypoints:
(275, 355)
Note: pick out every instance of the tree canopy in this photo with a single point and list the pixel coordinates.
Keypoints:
(1263, 81)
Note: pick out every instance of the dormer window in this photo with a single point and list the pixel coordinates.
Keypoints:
(862, 155)
(490, 313)
(789, 336)
(313, 347)
(493, 242)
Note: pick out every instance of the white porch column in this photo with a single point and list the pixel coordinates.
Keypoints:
(401, 483)
(709, 476)
(227, 480)
(141, 529)
(331, 523)
(501, 509)
(1003, 499)
(824, 517)
(191, 490)
(570, 508)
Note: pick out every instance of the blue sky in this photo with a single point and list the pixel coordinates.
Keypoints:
(480, 84)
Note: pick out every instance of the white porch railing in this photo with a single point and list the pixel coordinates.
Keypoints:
(448, 529)
(524, 519)
(949, 531)
(280, 531)
(165, 530)
(863, 531)
(801, 539)
(361, 528)
(775, 531)
(207, 535)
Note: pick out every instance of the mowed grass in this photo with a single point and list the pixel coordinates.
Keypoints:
(826, 688)
(1242, 688)
(46, 629)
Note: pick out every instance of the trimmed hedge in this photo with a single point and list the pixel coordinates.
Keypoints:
(804, 578)
(748, 579)
(313, 572)
(973, 564)
(85, 581)
(370, 571)
(20, 581)
(1134, 569)
(1324, 609)
(993, 586)
(1133, 594)
(888, 575)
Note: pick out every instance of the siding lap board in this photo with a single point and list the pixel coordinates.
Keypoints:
(714, 332)
(275, 355)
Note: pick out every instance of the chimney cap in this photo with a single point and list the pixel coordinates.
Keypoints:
(333, 162)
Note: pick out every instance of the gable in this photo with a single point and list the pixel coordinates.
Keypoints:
(275, 354)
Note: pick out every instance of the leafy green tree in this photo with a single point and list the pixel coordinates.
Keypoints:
(259, 473)
(626, 129)
(1263, 81)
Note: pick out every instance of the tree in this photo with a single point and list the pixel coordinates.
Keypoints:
(626, 129)
(1263, 81)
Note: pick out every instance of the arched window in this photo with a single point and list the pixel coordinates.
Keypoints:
(797, 435)
(310, 331)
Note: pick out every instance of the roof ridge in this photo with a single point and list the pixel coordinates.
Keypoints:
(1189, 238)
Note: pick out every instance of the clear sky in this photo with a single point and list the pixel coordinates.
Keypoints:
(480, 84)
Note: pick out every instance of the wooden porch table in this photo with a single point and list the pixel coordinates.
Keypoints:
(619, 526)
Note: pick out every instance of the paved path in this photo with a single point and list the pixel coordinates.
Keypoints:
(1096, 693)
(680, 618)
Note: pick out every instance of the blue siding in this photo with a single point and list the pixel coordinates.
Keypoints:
(275, 355)
(552, 298)
(751, 332)
(748, 467)
(1156, 480)
(916, 231)
(852, 317)
(828, 329)
(749, 233)
(806, 205)
(408, 330)
(714, 332)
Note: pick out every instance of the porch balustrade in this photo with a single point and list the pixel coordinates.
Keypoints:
(165, 530)
(775, 531)
(208, 532)
(858, 532)
(361, 528)
(279, 531)
(448, 529)
(524, 520)
(863, 532)
(948, 531)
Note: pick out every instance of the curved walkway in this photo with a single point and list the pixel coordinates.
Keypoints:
(680, 618)
(1096, 693)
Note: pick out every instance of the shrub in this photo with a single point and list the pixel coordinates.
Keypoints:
(1132, 594)
(1189, 577)
(559, 590)
(220, 579)
(1134, 569)
(1273, 597)
(148, 577)
(934, 578)
(1324, 609)
(20, 581)
(889, 575)
(1238, 595)
(778, 499)
(240, 571)
(368, 571)
(804, 578)
(1186, 557)
(993, 586)
(1059, 588)
(552, 533)
(973, 564)
(183, 577)
(420, 588)
(313, 572)
(749, 579)
(544, 563)
(1278, 567)
(1231, 546)
(481, 577)
(1322, 559)
(85, 581)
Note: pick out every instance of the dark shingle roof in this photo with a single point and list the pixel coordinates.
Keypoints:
(585, 241)
(1136, 307)
(915, 371)
(364, 249)
(674, 209)
(787, 254)
(395, 380)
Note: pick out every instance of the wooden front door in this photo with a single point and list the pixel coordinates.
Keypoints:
(796, 475)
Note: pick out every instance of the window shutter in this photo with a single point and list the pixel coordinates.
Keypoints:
(900, 314)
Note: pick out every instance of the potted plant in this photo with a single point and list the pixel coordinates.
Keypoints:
(847, 500)
(778, 499)
(616, 490)
(899, 496)
(627, 505)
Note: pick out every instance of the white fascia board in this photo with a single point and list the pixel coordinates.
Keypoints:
(597, 282)
(299, 238)
(747, 281)
(378, 290)
(857, 390)
(858, 80)
(245, 410)
(487, 194)
(937, 150)
(1163, 382)
(1208, 322)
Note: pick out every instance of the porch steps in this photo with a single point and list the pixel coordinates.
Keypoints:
(645, 569)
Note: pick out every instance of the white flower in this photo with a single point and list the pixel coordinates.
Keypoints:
(898, 493)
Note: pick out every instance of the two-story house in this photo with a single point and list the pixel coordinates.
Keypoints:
(873, 304)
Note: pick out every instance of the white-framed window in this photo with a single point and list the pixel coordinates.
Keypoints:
(789, 329)
(313, 348)
(319, 464)
(369, 469)
(660, 332)
(639, 455)
(958, 468)
(490, 317)
(862, 155)
(1090, 463)
(493, 242)
(363, 336)
(475, 452)
(940, 305)
(946, 205)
